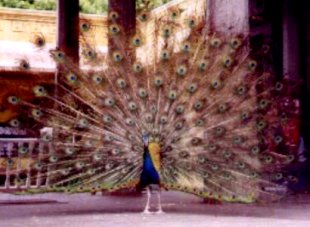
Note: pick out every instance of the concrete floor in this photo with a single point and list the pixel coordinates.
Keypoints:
(84, 210)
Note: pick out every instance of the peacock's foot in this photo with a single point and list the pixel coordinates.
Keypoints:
(159, 212)
(147, 211)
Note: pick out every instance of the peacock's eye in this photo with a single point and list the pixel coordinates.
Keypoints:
(196, 141)
(70, 150)
(261, 125)
(179, 125)
(235, 43)
(180, 109)
(163, 120)
(53, 158)
(137, 68)
(142, 93)
(198, 105)
(241, 165)
(181, 70)
(13, 100)
(107, 119)
(279, 86)
(175, 13)
(202, 65)
(24, 65)
(219, 131)
(121, 83)
(252, 65)
(72, 78)
(227, 176)
(165, 55)
(109, 102)
(39, 91)
(166, 32)
(292, 178)
(97, 79)
(184, 154)
(97, 157)
(268, 159)
(255, 150)
(23, 150)
(278, 176)
(214, 167)
(153, 109)
(117, 56)
(46, 137)
(58, 56)
(192, 88)
(130, 122)
(109, 166)
(83, 123)
(65, 172)
(132, 106)
(148, 117)
(14, 123)
(114, 29)
(199, 123)
(241, 90)
(85, 26)
(254, 175)
(263, 104)
(172, 95)
(80, 165)
(216, 84)
(227, 154)
(39, 41)
(191, 23)
(158, 81)
(38, 165)
(113, 15)
(116, 151)
(222, 108)
(215, 43)
(91, 171)
(90, 54)
(36, 113)
(238, 140)
(227, 61)
(244, 116)
(136, 41)
(278, 139)
(186, 47)
(290, 158)
(143, 16)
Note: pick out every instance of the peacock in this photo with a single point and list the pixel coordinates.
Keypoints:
(179, 105)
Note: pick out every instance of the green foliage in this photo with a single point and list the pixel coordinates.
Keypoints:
(86, 6)
(94, 6)
(29, 4)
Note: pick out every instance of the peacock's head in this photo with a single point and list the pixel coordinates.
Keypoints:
(146, 139)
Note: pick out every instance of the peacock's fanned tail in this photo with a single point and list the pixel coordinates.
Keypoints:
(211, 103)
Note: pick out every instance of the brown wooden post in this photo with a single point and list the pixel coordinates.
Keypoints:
(68, 28)
(126, 11)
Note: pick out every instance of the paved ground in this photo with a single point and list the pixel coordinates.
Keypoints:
(83, 210)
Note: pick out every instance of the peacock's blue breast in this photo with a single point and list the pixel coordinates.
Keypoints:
(149, 174)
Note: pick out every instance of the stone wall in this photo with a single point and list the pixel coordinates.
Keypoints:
(23, 25)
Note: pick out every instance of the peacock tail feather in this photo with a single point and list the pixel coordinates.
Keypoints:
(210, 104)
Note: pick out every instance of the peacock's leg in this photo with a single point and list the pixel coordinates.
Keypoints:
(159, 208)
(147, 205)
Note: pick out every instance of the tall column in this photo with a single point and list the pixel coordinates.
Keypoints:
(68, 28)
(126, 11)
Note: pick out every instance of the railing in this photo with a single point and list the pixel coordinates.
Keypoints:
(17, 159)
